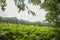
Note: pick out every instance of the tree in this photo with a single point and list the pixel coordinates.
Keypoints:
(53, 10)
(51, 6)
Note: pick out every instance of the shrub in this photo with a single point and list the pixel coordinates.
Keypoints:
(9, 32)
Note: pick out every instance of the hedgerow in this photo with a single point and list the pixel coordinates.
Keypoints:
(21, 32)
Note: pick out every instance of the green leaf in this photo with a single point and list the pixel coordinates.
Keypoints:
(29, 11)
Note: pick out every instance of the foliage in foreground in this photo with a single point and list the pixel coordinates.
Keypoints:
(21, 32)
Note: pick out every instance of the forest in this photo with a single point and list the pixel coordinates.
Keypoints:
(12, 28)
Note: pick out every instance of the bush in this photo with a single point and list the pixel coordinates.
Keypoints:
(9, 32)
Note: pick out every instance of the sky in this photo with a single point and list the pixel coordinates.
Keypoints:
(12, 11)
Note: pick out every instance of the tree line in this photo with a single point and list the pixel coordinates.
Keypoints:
(14, 20)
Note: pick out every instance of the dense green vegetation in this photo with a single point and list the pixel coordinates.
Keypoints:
(14, 29)
(22, 32)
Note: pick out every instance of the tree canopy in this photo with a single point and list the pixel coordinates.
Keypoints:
(51, 6)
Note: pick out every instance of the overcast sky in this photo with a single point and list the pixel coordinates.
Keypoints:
(12, 11)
